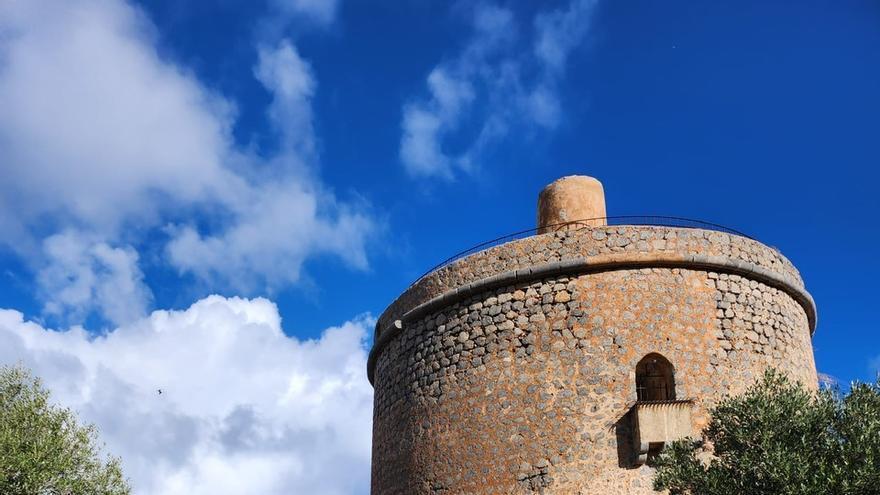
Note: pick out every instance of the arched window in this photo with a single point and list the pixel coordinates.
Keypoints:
(654, 379)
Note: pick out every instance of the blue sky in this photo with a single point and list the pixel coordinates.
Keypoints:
(307, 159)
(760, 116)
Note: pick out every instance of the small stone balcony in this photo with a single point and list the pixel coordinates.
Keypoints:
(657, 422)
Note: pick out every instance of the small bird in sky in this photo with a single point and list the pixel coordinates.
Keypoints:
(159, 390)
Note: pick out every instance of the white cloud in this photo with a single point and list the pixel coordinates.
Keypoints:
(451, 88)
(244, 408)
(827, 381)
(290, 79)
(424, 123)
(82, 275)
(101, 136)
(286, 217)
(420, 144)
(450, 94)
(275, 228)
(543, 106)
(95, 127)
(492, 84)
(107, 148)
(559, 31)
(321, 11)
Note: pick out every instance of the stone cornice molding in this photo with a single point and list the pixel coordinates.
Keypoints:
(387, 331)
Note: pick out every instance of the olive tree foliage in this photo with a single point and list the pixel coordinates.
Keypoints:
(43, 450)
(780, 438)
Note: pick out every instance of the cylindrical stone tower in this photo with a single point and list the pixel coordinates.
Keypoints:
(562, 362)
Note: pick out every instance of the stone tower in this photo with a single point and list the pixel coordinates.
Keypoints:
(562, 362)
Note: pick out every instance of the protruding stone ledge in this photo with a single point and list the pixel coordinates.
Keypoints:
(588, 243)
(660, 422)
(578, 266)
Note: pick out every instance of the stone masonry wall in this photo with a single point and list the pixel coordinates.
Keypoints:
(595, 244)
(526, 388)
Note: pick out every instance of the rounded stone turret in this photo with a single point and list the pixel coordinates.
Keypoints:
(561, 362)
(569, 199)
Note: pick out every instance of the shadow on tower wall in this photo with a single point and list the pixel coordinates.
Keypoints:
(623, 431)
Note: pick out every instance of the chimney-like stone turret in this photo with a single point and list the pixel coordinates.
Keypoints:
(575, 197)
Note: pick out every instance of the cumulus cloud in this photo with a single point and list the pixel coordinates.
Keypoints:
(95, 127)
(109, 150)
(492, 84)
(101, 136)
(244, 408)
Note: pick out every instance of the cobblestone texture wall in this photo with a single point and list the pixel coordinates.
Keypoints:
(526, 388)
(595, 244)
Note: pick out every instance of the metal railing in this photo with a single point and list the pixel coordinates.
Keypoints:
(649, 220)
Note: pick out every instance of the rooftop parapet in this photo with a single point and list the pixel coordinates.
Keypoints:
(591, 249)
(574, 236)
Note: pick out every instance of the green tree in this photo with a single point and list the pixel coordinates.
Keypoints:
(780, 438)
(43, 450)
